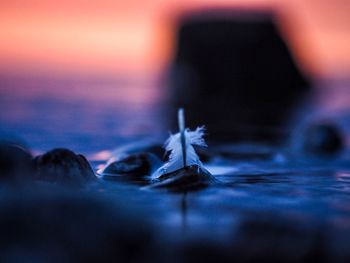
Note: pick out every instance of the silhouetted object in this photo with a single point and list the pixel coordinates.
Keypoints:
(135, 165)
(15, 163)
(234, 73)
(251, 152)
(190, 178)
(146, 146)
(322, 140)
(63, 166)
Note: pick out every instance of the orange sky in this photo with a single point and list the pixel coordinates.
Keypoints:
(110, 36)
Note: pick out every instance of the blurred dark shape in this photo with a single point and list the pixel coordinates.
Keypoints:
(276, 238)
(63, 166)
(135, 165)
(190, 178)
(146, 146)
(155, 149)
(15, 163)
(67, 227)
(264, 239)
(234, 73)
(322, 139)
(244, 151)
(206, 251)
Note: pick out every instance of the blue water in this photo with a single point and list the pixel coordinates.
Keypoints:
(309, 197)
(79, 114)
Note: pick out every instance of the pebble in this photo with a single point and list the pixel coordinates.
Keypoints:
(15, 163)
(323, 139)
(134, 166)
(63, 166)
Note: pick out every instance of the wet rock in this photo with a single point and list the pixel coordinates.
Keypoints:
(147, 146)
(190, 178)
(15, 163)
(155, 149)
(135, 165)
(322, 139)
(63, 166)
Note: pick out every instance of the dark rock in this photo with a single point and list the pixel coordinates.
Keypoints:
(156, 149)
(135, 165)
(322, 139)
(63, 166)
(15, 163)
(148, 146)
(190, 178)
(233, 72)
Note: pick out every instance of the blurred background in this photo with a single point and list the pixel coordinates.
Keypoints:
(89, 74)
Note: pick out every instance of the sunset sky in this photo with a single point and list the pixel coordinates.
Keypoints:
(110, 36)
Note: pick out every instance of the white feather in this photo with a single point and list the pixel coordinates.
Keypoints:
(173, 145)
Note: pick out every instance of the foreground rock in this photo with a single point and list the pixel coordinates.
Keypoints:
(148, 146)
(323, 139)
(63, 166)
(135, 166)
(15, 163)
(191, 178)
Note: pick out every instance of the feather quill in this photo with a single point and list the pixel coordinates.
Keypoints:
(182, 152)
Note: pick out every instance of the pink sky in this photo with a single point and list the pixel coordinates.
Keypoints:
(110, 36)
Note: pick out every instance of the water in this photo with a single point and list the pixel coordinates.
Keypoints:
(259, 206)
(85, 115)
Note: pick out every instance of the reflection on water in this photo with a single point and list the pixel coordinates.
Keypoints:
(304, 194)
(253, 206)
(87, 115)
(264, 195)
